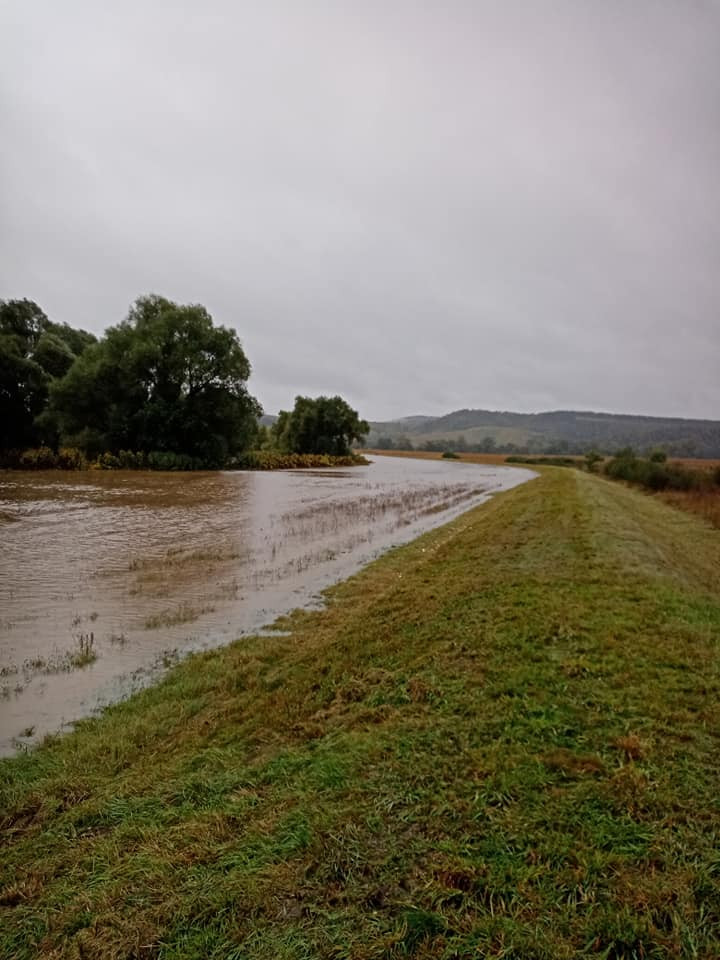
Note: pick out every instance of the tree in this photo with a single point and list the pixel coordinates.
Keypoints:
(592, 457)
(321, 425)
(165, 379)
(33, 352)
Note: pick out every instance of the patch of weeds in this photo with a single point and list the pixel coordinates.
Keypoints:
(185, 613)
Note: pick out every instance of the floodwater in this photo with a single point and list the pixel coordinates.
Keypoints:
(107, 577)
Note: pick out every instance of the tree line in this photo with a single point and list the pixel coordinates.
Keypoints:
(166, 386)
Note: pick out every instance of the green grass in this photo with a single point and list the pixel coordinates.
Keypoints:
(499, 741)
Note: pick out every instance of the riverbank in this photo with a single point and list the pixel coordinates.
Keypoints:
(70, 458)
(500, 740)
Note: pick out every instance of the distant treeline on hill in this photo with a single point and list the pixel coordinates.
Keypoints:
(558, 432)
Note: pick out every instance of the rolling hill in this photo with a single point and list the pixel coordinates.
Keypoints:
(559, 431)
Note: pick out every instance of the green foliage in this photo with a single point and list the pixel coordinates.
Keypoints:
(450, 455)
(165, 380)
(657, 456)
(324, 425)
(33, 353)
(272, 460)
(592, 457)
(70, 458)
(41, 458)
(655, 474)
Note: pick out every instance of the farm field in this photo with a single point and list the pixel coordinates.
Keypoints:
(500, 740)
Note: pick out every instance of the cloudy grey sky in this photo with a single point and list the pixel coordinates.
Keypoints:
(420, 204)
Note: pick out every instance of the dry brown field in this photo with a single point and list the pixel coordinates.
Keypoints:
(695, 463)
(704, 503)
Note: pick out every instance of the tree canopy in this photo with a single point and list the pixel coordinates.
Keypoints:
(34, 352)
(165, 379)
(321, 425)
(166, 386)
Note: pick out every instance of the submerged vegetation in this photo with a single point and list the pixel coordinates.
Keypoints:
(70, 458)
(497, 741)
(273, 460)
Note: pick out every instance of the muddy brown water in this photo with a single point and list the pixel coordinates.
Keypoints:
(107, 577)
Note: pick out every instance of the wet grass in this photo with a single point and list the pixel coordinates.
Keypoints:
(499, 741)
(81, 654)
(173, 616)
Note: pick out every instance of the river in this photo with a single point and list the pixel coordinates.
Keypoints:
(106, 578)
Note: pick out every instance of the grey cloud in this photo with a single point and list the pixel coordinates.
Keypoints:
(419, 205)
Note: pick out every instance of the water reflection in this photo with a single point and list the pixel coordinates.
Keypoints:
(105, 577)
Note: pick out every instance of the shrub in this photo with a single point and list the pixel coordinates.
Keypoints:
(592, 457)
(106, 461)
(38, 458)
(70, 458)
(450, 455)
(269, 460)
(131, 460)
(655, 474)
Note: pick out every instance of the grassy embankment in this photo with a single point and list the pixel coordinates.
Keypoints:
(499, 741)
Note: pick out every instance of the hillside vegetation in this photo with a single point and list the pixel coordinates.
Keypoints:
(561, 431)
(500, 740)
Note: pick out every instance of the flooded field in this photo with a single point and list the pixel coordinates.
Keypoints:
(107, 578)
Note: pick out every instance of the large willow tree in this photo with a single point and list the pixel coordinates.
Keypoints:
(164, 379)
(34, 351)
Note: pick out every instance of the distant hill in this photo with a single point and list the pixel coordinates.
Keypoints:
(558, 431)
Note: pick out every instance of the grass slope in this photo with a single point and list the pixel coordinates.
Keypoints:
(499, 741)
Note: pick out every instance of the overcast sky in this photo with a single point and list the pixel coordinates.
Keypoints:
(419, 205)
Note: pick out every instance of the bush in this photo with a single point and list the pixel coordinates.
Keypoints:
(106, 461)
(38, 458)
(592, 457)
(655, 474)
(132, 460)
(70, 458)
(450, 455)
(269, 460)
